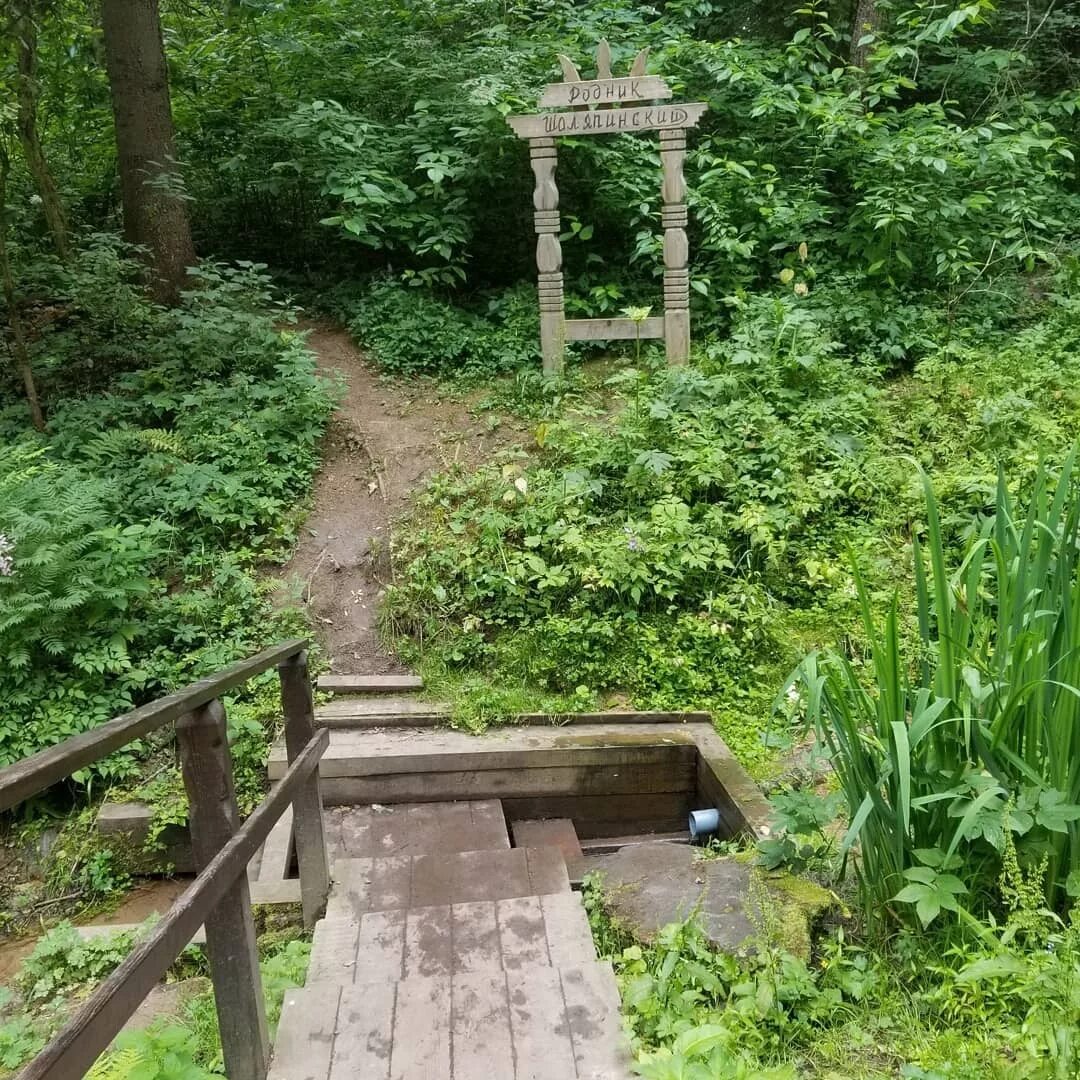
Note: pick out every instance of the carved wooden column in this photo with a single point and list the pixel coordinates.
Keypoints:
(548, 254)
(676, 248)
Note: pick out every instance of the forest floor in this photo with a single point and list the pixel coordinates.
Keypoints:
(384, 441)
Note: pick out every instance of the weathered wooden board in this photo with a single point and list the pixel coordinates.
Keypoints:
(278, 849)
(550, 832)
(614, 329)
(378, 710)
(305, 1034)
(608, 121)
(365, 885)
(359, 832)
(371, 753)
(437, 786)
(605, 91)
(722, 782)
(369, 684)
(610, 815)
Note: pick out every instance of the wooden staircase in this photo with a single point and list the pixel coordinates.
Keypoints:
(445, 953)
(459, 965)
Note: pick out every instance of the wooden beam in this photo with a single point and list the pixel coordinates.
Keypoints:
(607, 121)
(33, 774)
(79, 1043)
(605, 91)
(614, 329)
(299, 710)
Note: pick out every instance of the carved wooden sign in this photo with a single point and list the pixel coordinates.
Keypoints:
(607, 106)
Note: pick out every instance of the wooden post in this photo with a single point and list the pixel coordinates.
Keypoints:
(676, 248)
(230, 928)
(299, 709)
(543, 156)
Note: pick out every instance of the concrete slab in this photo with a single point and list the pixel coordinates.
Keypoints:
(651, 885)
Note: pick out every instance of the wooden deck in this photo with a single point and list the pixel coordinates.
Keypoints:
(441, 964)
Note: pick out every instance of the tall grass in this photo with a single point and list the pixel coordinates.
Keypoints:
(942, 747)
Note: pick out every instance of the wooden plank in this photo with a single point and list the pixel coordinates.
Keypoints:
(553, 832)
(611, 717)
(277, 851)
(305, 1034)
(380, 950)
(421, 1046)
(368, 684)
(364, 753)
(480, 1033)
(429, 942)
(96, 931)
(608, 121)
(614, 329)
(41, 770)
(547, 870)
(276, 892)
(725, 784)
(623, 780)
(333, 952)
(365, 1026)
(611, 814)
(592, 1012)
(476, 937)
(566, 926)
(230, 925)
(538, 1023)
(522, 939)
(81, 1041)
(605, 91)
(374, 707)
(297, 706)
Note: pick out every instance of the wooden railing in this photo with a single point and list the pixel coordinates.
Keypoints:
(218, 898)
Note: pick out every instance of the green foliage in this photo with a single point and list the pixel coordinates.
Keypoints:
(62, 960)
(163, 1051)
(1005, 1005)
(132, 532)
(952, 750)
(408, 331)
(19, 1041)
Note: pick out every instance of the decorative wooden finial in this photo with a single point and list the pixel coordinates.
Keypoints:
(569, 71)
(642, 58)
(603, 60)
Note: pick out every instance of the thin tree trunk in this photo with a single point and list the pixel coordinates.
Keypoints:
(28, 93)
(155, 208)
(18, 335)
(867, 21)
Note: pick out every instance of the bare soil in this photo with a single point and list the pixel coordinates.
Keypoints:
(385, 440)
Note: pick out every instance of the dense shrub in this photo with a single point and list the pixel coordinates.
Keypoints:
(131, 531)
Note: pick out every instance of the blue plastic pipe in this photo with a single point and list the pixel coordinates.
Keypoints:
(704, 823)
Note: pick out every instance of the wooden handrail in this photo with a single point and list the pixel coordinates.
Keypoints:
(219, 897)
(77, 1046)
(34, 774)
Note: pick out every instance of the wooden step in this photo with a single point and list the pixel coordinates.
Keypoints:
(483, 936)
(361, 832)
(379, 711)
(550, 832)
(403, 881)
(537, 1022)
(411, 751)
(369, 684)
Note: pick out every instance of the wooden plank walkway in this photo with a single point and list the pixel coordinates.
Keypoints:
(434, 964)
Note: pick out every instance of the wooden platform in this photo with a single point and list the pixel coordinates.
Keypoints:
(369, 684)
(474, 965)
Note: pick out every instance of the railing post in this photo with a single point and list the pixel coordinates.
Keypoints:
(299, 710)
(230, 927)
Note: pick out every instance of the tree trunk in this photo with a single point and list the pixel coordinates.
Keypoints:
(155, 204)
(867, 21)
(26, 123)
(18, 335)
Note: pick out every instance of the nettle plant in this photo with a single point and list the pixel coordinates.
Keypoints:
(948, 754)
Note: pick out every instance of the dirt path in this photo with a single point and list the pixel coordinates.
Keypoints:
(381, 445)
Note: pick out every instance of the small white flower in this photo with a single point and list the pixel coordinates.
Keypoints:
(7, 563)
